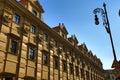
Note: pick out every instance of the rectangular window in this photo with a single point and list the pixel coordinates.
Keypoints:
(45, 59)
(33, 29)
(45, 37)
(34, 12)
(64, 66)
(31, 53)
(55, 43)
(82, 73)
(7, 78)
(63, 48)
(16, 18)
(87, 75)
(77, 71)
(71, 69)
(56, 63)
(13, 46)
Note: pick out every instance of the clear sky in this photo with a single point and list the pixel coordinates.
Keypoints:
(78, 18)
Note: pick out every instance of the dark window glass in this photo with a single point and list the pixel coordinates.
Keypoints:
(45, 59)
(16, 18)
(82, 73)
(8, 79)
(63, 48)
(77, 71)
(13, 46)
(64, 66)
(56, 62)
(33, 29)
(45, 37)
(34, 12)
(87, 75)
(71, 69)
(55, 43)
(31, 53)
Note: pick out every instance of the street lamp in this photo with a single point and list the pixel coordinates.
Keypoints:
(105, 23)
(107, 27)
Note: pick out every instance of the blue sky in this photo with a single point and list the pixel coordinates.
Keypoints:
(78, 18)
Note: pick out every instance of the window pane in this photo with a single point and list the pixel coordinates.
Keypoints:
(31, 53)
(33, 29)
(77, 71)
(64, 66)
(45, 59)
(13, 46)
(45, 37)
(16, 18)
(34, 12)
(8, 79)
(55, 43)
(71, 69)
(56, 62)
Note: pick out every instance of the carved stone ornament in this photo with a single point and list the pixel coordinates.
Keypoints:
(26, 29)
(60, 49)
(38, 38)
(7, 19)
(8, 10)
(67, 54)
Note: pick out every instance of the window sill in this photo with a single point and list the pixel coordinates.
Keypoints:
(12, 53)
(33, 60)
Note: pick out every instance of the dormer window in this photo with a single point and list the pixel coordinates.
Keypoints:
(34, 12)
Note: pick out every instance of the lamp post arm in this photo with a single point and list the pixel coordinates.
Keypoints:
(109, 31)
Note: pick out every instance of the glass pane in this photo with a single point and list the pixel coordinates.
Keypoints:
(8, 79)
(16, 18)
(33, 29)
(45, 59)
(31, 54)
(13, 47)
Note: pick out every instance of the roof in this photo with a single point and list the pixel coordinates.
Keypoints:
(60, 27)
(73, 39)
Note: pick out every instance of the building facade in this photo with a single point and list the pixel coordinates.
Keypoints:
(109, 75)
(31, 50)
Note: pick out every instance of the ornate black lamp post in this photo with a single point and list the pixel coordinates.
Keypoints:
(106, 24)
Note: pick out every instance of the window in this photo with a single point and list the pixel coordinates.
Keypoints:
(56, 63)
(31, 53)
(82, 73)
(33, 29)
(8, 78)
(18, 0)
(64, 66)
(77, 71)
(16, 18)
(45, 59)
(55, 43)
(71, 69)
(63, 48)
(34, 12)
(87, 75)
(45, 37)
(13, 46)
